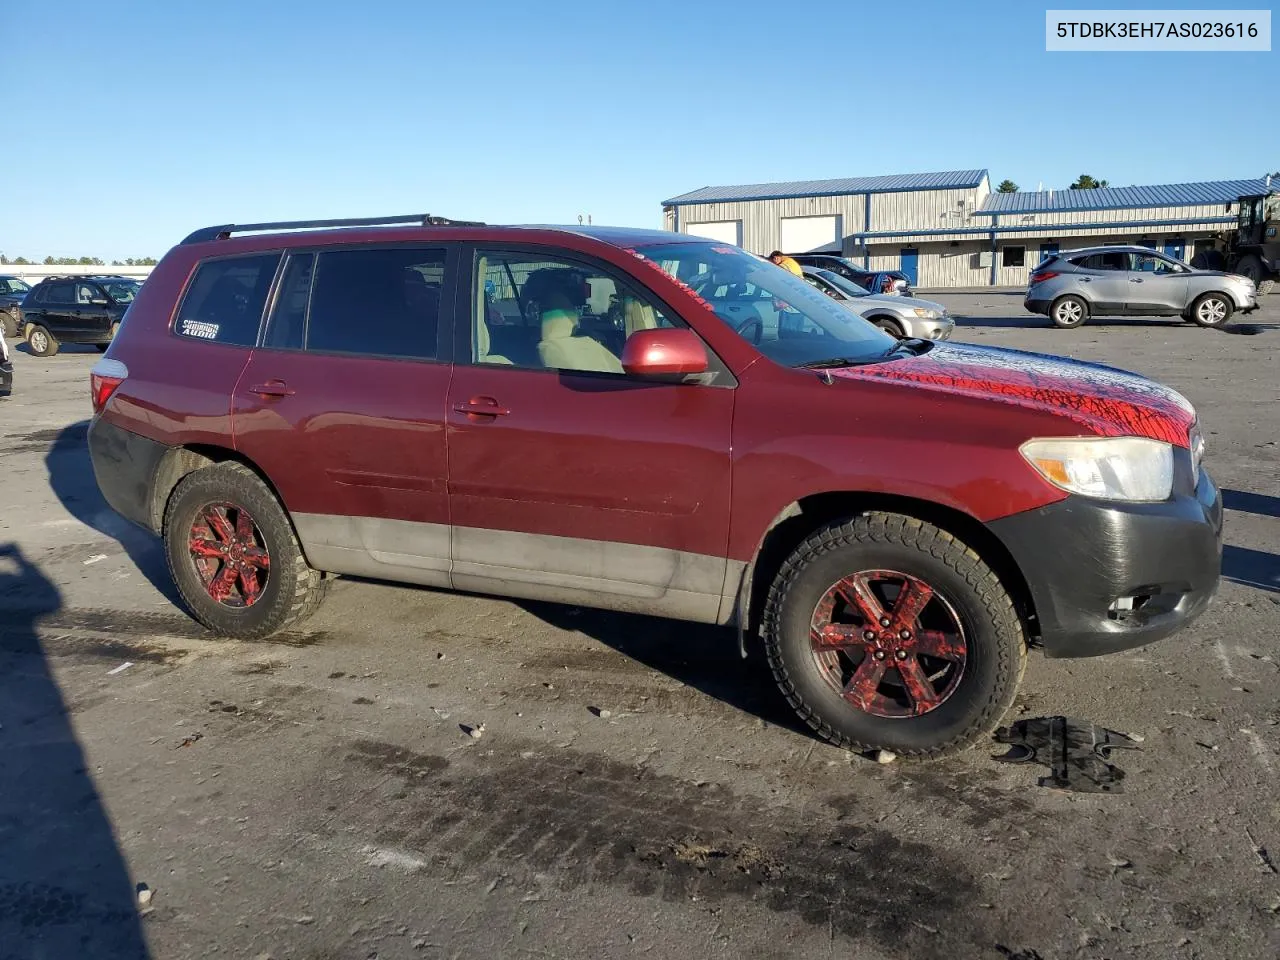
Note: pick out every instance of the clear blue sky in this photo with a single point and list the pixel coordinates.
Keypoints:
(166, 116)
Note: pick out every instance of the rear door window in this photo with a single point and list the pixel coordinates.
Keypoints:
(1111, 260)
(379, 302)
(60, 293)
(226, 298)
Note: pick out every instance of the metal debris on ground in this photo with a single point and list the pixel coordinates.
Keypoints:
(1076, 752)
(96, 558)
(189, 740)
(120, 669)
(601, 713)
(145, 894)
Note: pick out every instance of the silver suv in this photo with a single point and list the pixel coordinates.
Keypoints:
(1071, 287)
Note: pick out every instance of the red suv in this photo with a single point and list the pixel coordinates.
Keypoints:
(620, 419)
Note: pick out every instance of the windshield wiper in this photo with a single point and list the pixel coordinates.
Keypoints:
(837, 362)
(912, 346)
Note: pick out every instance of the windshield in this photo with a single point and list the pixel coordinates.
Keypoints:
(780, 314)
(122, 291)
(13, 285)
(843, 284)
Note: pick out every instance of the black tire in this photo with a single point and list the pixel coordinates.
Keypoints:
(1251, 266)
(992, 635)
(1212, 310)
(1069, 312)
(41, 342)
(9, 322)
(1214, 260)
(289, 589)
(889, 326)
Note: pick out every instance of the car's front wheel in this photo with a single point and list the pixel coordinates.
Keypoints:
(9, 323)
(234, 556)
(891, 327)
(885, 632)
(1069, 312)
(1212, 310)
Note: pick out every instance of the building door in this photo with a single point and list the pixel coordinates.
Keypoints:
(1176, 247)
(909, 262)
(1048, 250)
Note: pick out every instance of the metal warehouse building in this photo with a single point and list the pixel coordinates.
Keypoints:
(948, 229)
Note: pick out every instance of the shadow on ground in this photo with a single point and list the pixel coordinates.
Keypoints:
(71, 479)
(1245, 502)
(65, 890)
(702, 657)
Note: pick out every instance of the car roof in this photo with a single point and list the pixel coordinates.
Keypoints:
(1114, 248)
(416, 228)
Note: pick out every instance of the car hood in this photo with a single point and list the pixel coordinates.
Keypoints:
(1106, 401)
(901, 302)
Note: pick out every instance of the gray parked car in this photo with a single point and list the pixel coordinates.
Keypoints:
(892, 313)
(1073, 286)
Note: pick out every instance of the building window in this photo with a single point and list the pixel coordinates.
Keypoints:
(1015, 256)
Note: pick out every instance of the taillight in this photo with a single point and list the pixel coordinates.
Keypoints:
(1042, 277)
(105, 377)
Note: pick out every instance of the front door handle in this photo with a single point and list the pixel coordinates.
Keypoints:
(481, 409)
(272, 388)
(1135, 279)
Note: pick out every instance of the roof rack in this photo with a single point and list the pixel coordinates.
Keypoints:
(420, 219)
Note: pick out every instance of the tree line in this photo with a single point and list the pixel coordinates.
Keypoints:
(78, 262)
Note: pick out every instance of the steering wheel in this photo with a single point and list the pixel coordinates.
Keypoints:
(742, 328)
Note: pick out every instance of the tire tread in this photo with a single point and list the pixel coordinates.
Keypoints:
(900, 529)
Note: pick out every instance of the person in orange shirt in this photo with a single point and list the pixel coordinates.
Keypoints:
(782, 260)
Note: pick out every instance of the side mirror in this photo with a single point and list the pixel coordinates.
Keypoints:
(664, 352)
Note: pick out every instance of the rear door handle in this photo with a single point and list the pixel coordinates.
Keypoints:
(272, 388)
(1135, 279)
(479, 409)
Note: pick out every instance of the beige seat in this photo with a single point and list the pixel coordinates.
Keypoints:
(637, 315)
(482, 328)
(561, 350)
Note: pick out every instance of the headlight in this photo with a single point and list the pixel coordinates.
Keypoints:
(1116, 468)
(1197, 450)
(924, 313)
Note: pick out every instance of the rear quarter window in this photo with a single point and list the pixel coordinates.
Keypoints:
(226, 298)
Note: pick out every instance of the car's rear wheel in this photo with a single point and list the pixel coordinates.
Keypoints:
(40, 341)
(1069, 312)
(891, 327)
(885, 632)
(1212, 310)
(234, 556)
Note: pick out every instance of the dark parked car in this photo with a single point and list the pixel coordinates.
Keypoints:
(873, 281)
(281, 405)
(75, 310)
(12, 292)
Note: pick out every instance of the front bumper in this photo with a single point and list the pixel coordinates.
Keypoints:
(1111, 576)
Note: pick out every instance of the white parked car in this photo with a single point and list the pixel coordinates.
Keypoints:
(898, 315)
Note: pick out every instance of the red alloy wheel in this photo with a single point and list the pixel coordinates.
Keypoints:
(889, 643)
(229, 554)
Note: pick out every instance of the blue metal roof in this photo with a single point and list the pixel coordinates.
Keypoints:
(894, 183)
(1111, 198)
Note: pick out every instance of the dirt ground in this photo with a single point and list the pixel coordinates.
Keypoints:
(635, 789)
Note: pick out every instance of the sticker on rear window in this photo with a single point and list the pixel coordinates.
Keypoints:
(723, 250)
(198, 328)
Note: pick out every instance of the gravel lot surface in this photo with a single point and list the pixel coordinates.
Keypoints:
(414, 774)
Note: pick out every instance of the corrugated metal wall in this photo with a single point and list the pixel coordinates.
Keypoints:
(760, 218)
(940, 264)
